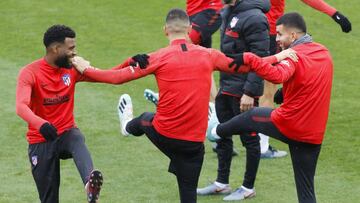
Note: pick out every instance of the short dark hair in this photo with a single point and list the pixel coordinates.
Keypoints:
(292, 20)
(177, 14)
(57, 33)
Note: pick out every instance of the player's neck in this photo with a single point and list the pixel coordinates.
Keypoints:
(50, 60)
(176, 37)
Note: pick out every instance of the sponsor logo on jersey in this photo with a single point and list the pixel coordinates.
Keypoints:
(56, 100)
(66, 79)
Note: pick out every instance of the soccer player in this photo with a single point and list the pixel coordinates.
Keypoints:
(244, 28)
(183, 74)
(276, 11)
(301, 120)
(45, 100)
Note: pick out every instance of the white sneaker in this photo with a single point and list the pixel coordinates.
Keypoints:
(125, 110)
(212, 122)
(213, 189)
(240, 194)
(272, 153)
(213, 136)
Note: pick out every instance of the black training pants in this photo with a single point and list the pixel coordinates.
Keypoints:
(206, 22)
(303, 155)
(186, 157)
(45, 162)
(226, 108)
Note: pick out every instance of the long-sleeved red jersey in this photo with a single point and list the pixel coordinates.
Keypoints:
(196, 6)
(46, 94)
(183, 75)
(278, 7)
(306, 89)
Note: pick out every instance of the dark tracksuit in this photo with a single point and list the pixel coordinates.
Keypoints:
(45, 162)
(244, 28)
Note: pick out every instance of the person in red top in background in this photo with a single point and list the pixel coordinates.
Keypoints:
(183, 74)
(45, 100)
(276, 11)
(301, 120)
(205, 20)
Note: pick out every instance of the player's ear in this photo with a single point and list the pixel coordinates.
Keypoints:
(53, 48)
(189, 29)
(166, 32)
(293, 36)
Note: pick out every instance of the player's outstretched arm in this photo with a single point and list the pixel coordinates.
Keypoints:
(227, 64)
(114, 76)
(278, 73)
(338, 17)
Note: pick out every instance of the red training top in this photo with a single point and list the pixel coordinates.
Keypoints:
(276, 11)
(196, 6)
(306, 88)
(46, 94)
(183, 75)
(321, 6)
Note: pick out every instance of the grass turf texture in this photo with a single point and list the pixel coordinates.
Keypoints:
(134, 170)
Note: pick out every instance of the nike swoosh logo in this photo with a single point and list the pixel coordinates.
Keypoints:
(219, 190)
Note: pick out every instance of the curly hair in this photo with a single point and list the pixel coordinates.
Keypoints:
(57, 33)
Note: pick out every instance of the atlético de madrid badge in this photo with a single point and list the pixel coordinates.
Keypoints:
(233, 22)
(66, 79)
(34, 160)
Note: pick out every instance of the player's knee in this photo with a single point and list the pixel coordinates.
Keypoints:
(77, 138)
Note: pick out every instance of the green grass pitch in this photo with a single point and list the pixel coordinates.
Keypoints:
(108, 32)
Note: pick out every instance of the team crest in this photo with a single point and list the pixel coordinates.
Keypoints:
(233, 22)
(66, 79)
(34, 160)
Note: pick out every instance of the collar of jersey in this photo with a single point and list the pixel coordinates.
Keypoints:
(48, 66)
(178, 41)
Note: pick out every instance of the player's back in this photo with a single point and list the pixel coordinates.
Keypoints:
(184, 80)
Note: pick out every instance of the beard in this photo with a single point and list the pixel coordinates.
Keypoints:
(63, 62)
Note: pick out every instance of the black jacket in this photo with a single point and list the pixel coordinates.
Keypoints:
(245, 29)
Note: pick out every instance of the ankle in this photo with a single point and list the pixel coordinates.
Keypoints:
(247, 189)
(220, 185)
